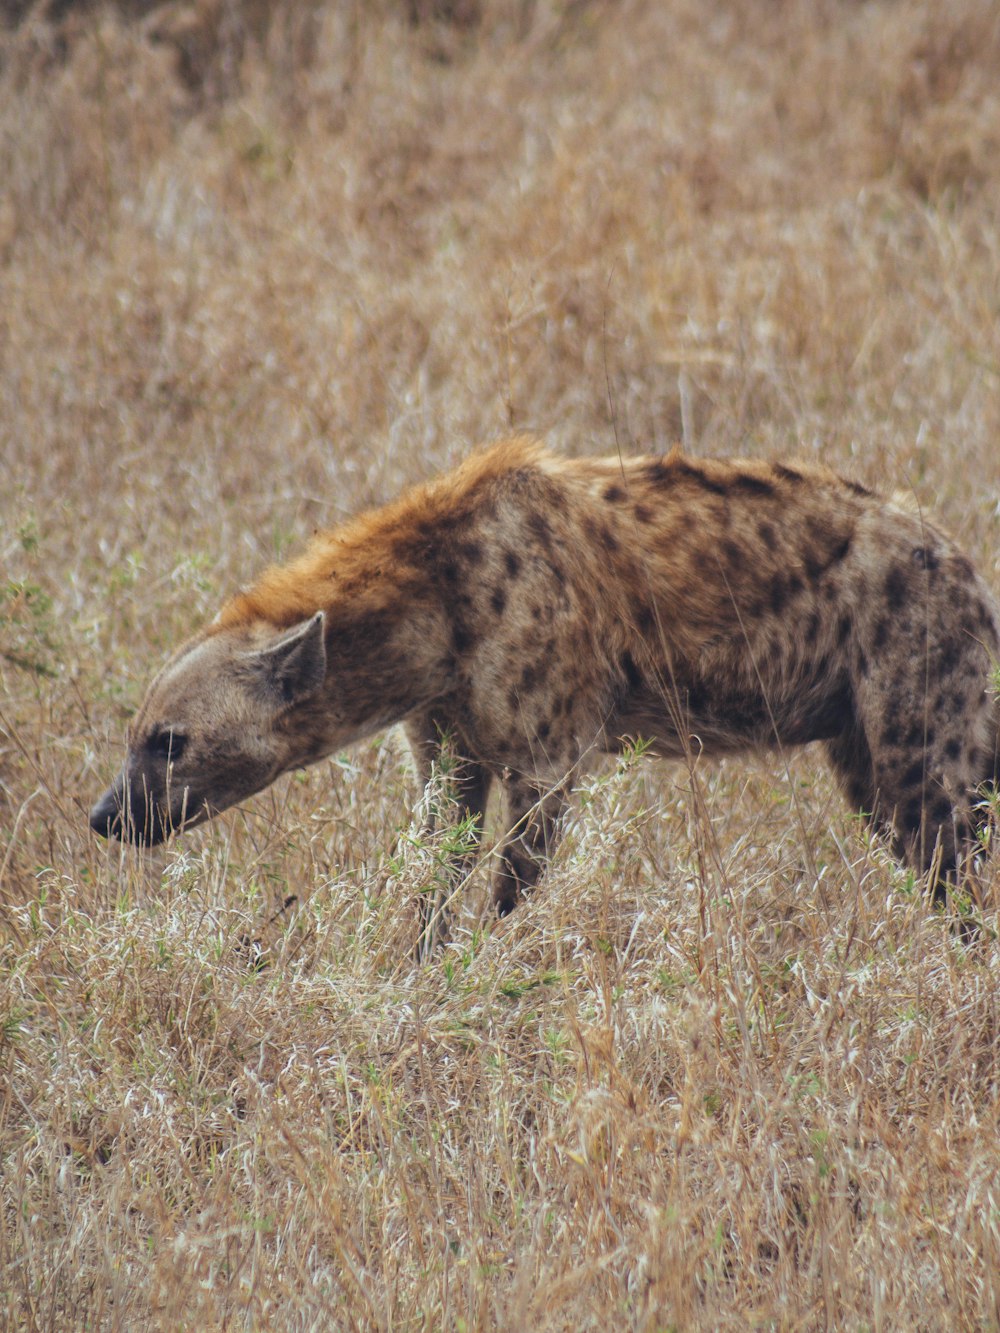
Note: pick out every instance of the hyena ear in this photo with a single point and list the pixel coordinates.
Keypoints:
(294, 667)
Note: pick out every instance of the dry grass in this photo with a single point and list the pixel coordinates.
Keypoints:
(262, 265)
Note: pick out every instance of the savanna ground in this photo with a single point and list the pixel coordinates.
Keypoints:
(261, 265)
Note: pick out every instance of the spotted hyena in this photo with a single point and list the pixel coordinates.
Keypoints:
(540, 610)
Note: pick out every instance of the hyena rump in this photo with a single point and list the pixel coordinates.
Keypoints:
(538, 610)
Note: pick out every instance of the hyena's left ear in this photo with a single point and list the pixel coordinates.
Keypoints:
(295, 666)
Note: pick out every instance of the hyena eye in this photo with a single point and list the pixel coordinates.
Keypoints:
(167, 744)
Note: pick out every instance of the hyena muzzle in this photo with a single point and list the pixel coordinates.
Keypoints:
(538, 610)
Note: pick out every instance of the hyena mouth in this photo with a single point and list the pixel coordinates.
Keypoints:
(111, 817)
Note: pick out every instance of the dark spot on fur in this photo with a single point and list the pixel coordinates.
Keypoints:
(631, 672)
(890, 731)
(599, 535)
(778, 593)
(544, 731)
(914, 775)
(554, 495)
(856, 486)
(414, 548)
(767, 535)
(925, 558)
(912, 812)
(498, 600)
(449, 572)
(813, 564)
(839, 551)
(368, 634)
(471, 552)
(881, 634)
(843, 629)
(513, 563)
(733, 551)
(696, 700)
(895, 588)
(462, 637)
(522, 479)
(942, 810)
(464, 631)
(751, 485)
(531, 675)
(485, 507)
(953, 748)
(614, 494)
(914, 735)
(787, 473)
(775, 658)
(963, 566)
(695, 474)
(541, 529)
(644, 514)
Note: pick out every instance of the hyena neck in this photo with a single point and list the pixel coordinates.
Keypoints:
(389, 583)
(387, 646)
(386, 660)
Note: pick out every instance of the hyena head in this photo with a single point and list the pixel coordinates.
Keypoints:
(222, 720)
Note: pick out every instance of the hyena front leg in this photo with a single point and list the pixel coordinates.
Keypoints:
(851, 760)
(531, 815)
(464, 786)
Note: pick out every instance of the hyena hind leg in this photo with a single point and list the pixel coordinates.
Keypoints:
(531, 815)
(455, 790)
(917, 780)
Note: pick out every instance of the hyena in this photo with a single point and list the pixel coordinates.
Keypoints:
(538, 610)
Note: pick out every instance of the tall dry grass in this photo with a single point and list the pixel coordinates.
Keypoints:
(262, 265)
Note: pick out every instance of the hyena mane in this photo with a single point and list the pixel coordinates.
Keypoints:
(538, 610)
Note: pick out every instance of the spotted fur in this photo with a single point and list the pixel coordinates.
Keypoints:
(539, 610)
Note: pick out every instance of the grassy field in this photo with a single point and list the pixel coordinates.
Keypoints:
(261, 265)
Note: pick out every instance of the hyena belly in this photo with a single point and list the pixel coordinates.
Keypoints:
(684, 715)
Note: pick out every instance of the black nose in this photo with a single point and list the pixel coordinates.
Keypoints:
(106, 816)
(115, 816)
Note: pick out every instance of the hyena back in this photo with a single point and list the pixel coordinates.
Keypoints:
(538, 610)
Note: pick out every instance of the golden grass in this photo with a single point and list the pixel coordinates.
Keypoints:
(260, 266)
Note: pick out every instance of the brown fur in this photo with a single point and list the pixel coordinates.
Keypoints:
(537, 609)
